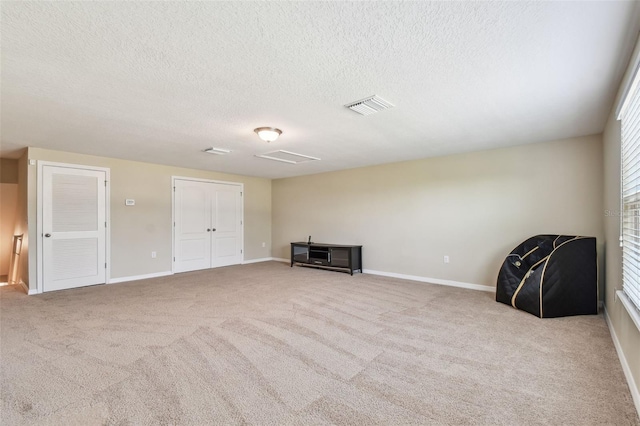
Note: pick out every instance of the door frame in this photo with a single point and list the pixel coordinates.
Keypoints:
(173, 213)
(40, 225)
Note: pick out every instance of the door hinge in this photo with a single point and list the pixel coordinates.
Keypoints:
(174, 189)
(105, 265)
(240, 251)
(174, 259)
(105, 183)
(241, 193)
(105, 224)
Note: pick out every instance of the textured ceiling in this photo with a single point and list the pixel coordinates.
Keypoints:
(161, 81)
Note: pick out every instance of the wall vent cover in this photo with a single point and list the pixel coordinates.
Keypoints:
(287, 157)
(369, 105)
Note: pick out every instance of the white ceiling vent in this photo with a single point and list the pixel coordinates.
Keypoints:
(369, 105)
(217, 151)
(287, 157)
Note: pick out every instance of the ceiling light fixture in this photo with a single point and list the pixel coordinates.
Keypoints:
(217, 151)
(268, 134)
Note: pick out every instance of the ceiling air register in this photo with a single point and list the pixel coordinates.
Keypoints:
(369, 105)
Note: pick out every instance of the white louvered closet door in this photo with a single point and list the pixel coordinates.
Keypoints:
(73, 227)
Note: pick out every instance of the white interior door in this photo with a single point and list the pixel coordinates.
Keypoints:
(208, 225)
(73, 227)
(227, 225)
(192, 225)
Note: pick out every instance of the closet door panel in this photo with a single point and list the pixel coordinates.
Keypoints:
(192, 226)
(227, 220)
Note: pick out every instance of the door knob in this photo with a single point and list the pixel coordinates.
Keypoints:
(208, 230)
(47, 235)
(214, 229)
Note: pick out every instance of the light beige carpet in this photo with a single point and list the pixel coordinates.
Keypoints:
(270, 344)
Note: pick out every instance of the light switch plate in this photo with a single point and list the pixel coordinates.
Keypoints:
(129, 202)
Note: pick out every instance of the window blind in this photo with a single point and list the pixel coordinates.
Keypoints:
(630, 118)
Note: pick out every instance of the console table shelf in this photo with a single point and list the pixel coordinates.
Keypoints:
(330, 256)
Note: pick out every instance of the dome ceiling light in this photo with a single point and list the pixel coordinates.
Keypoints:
(268, 134)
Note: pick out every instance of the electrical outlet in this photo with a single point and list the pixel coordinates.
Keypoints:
(264, 245)
(446, 259)
(153, 254)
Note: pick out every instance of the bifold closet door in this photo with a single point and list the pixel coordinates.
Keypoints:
(208, 225)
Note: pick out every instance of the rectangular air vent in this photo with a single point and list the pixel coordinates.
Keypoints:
(369, 105)
(217, 151)
(287, 157)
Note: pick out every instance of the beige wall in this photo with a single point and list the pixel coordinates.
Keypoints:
(8, 201)
(8, 204)
(473, 207)
(8, 170)
(622, 324)
(138, 230)
(21, 221)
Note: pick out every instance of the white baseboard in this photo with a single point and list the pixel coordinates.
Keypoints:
(418, 278)
(139, 277)
(635, 393)
(25, 287)
(432, 280)
(262, 259)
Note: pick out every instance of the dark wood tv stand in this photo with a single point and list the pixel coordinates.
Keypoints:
(330, 256)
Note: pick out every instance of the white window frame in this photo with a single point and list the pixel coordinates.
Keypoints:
(629, 115)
